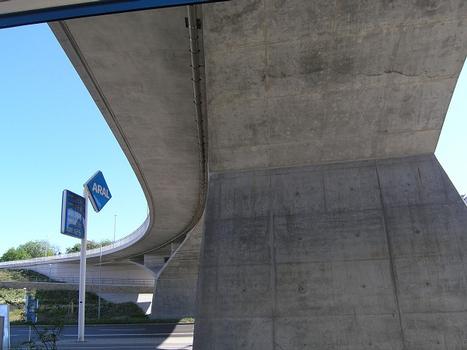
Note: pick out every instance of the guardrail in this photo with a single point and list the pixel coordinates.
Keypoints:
(93, 281)
(91, 253)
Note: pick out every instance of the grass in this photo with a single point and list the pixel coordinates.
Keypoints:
(60, 306)
(22, 275)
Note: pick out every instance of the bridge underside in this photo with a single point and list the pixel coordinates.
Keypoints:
(329, 222)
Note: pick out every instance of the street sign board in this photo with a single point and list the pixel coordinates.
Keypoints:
(73, 214)
(20, 12)
(99, 193)
(31, 306)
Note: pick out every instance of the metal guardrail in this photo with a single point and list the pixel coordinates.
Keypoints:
(93, 281)
(91, 253)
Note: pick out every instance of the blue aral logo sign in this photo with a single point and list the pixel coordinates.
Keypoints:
(99, 193)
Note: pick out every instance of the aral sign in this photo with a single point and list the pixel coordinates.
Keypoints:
(74, 223)
(20, 12)
(98, 191)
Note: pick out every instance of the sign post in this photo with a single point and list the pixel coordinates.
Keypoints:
(31, 306)
(82, 274)
(74, 223)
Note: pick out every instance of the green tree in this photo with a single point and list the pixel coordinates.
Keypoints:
(36, 249)
(90, 245)
(14, 254)
(28, 250)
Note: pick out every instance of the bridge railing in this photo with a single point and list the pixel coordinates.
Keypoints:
(113, 247)
(92, 281)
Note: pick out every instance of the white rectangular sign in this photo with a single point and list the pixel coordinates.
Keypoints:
(4, 313)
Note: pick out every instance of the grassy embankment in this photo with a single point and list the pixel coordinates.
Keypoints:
(60, 306)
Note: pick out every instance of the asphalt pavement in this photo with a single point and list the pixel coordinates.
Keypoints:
(166, 336)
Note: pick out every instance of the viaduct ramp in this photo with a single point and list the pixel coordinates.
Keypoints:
(137, 67)
(329, 223)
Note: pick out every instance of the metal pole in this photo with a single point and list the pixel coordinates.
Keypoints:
(115, 225)
(100, 282)
(82, 273)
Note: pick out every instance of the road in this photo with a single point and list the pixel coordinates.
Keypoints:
(165, 336)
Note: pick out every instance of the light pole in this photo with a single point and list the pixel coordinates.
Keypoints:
(100, 282)
(115, 225)
(25, 311)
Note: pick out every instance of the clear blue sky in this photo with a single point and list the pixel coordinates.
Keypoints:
(53, 137)
(452, 146)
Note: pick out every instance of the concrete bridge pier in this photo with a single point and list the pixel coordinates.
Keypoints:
(175, 287)
(355, 255)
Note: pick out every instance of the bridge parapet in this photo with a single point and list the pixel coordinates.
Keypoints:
(91, 253)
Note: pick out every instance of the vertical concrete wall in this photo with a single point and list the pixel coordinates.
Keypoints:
(175, 289)
(357, 255)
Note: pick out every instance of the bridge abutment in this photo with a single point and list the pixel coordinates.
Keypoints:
(355, 255)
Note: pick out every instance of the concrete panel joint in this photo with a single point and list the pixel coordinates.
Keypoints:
(355, 255)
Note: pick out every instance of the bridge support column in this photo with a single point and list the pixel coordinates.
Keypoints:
(357, 255)
(175, 288)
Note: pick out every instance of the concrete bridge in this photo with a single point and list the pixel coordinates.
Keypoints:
(304, 131)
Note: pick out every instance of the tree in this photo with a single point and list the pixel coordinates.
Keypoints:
(36, 249)
(14, 254)
(90, 245)
(29, 250)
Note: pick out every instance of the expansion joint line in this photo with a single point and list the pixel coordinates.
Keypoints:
(392, 268)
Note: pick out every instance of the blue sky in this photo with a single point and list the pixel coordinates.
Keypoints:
(53, 137)
(452, 145)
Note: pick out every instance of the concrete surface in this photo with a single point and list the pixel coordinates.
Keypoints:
(175, 287)
(137, 68)
(355, 255)
(366, 252)
(301, 82)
